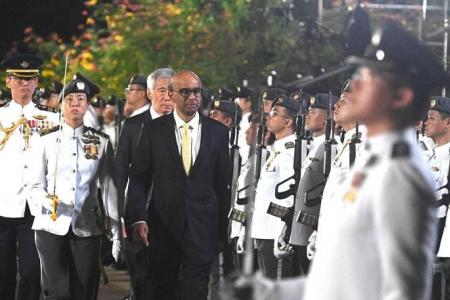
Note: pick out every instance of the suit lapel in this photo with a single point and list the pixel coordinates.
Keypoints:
(204, 140)
(172, 142)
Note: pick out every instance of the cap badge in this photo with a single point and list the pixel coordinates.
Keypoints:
(216, 104)
(312, 100)
(80, 86)
(24, 64)
(433, 103)
(264, 95)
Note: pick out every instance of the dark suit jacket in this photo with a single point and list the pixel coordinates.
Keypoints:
(128, 140)
(199, 201)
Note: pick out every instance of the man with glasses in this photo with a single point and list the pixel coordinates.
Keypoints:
(136, 96)
(266, 223)
(21, 121)
(184, 158)
(75, 160)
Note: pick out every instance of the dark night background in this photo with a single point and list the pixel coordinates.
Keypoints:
(45, 16)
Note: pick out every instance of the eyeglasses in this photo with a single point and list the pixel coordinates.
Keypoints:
(186, 92)
(128, 90)
(275, 114)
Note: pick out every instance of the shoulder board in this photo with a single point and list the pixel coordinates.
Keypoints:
(46, 108)
(357, 135)
(98, 132)
(289, 145)
(400, 149)
(49, 130)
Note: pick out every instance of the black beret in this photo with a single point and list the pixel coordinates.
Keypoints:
(227, 106)
(441, 104)
(272, 93)
(322, 101)
(392, 49)
(227, 94)
(93, 88)
(287, 103)
(22, 65)
(244, 92)
(138, 79)
(77, 86)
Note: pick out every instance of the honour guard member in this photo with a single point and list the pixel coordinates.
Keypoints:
(225, 111)
(438, 129)
(381, 242)
(91, 118)
(312, 180)
(21, 121)
(340, 165)
(245, 100)
(266, 223)
(72, 217)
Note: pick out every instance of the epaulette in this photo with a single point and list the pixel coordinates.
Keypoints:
(49, 130)
(98, 132)
(400, 149)
(357, 135)
(289, 145)
(46, 108)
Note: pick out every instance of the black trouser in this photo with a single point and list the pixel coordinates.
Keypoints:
(269, 264)
(70, 265)
(17, 239)
(441, 279)
(137, 264)
(301, 260)
(178, 271)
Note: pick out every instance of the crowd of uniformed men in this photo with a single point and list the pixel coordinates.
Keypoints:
(353, 183)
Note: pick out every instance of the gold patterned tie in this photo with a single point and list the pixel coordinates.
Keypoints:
(186, 148)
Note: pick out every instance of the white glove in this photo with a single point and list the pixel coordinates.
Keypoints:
(240, 248)
(311, 247)
(116, 249)
(280, 248)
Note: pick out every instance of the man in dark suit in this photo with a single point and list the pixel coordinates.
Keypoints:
(184, 157)
(136, 95)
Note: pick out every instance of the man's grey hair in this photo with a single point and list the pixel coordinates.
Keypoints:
(158, 73)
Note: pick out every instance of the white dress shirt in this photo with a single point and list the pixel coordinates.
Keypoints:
(195, 131)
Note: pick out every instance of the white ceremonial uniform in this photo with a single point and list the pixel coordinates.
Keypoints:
(380, 245)
(90, 118)
(77, 161)
(278, 167)
(425, 142)
(244, 149)
(110, 130)
(17, 159)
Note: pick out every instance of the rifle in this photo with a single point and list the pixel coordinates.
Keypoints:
(330, 141)
(235, 162)
(300, 152)
(356, 139)
(260, 146)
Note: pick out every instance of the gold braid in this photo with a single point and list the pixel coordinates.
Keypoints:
(10, 130)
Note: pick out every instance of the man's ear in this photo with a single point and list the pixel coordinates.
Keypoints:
(229, 122)
(149, 94)
(8, 82)
(404, 98)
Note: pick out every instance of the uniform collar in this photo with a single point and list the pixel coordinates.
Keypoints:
(69, 131)
(16, 107)
(193, 124)
(318, 140)
(442, 150)
(281, 143)
(349, 134)
(381, 143)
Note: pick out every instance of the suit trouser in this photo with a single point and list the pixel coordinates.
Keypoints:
(70, 265)
(137, 264)
(269, 264)
(17, 239)
(178, 271)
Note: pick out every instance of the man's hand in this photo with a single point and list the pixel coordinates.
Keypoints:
(140, 231)
(240, 244)
(116, 249)
(311, 247)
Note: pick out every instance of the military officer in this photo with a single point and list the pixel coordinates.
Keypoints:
(266, 223)
(309, 191)
(71, 217)
(381, 242)
(341, 163)
(438, 129)
(20, 123)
